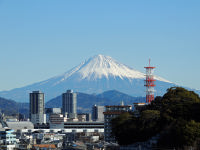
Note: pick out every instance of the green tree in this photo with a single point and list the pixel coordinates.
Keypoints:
(175, 116)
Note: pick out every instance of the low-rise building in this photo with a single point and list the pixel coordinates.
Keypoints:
(97, 113)
(16, 125)
(110, 113)
(50, 111)
(57, 121)
(84, 125)
(81, 117)
(8, 139)
(137, 108)
(84, 117)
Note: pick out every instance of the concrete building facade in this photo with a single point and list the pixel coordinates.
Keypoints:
(57, 121)
(69, 104)
(7, 139)
(97, 113)
(37, 111)
(49, 111)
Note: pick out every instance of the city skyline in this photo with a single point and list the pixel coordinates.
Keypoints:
(54, 37)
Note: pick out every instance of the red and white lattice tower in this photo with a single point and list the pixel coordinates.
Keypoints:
(149, 83)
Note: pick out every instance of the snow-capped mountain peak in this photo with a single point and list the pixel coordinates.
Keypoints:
(104, 66)
(101, 66)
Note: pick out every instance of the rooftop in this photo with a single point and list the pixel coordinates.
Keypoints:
(121, 106)
(20, 125)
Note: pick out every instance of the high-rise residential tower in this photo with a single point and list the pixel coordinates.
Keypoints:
(69, 100)
(37, 111)
(97, 113)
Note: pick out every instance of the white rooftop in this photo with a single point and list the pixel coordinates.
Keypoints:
(20, 125)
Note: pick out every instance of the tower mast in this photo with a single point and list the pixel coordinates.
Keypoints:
(149, 83)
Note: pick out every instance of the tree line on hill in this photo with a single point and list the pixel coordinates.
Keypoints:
(175, 117)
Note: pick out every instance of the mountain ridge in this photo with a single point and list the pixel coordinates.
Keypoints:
(86, 101)
(97, 74)
(11, 107)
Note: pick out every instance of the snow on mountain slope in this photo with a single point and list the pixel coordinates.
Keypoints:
(101, 66)
(95, 75)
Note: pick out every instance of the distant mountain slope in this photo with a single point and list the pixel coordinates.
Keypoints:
(86, 101)
(96, 75)
(116, 96)
(10, 107)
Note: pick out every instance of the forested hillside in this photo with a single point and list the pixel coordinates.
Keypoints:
(175, 117)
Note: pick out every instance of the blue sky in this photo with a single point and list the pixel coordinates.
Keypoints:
(42, 39)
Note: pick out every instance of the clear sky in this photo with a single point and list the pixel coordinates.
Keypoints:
(40, 39)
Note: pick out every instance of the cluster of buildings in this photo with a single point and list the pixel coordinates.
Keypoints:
(64, 128)
(57, 118)
(60, 127)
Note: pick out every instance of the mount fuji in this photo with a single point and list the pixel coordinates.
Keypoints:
(95, 75)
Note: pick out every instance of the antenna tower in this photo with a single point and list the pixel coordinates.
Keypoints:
(149, 83)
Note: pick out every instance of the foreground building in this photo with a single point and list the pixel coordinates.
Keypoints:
(7, 139)
(37, 111)
(110, 113)
(137, 108)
